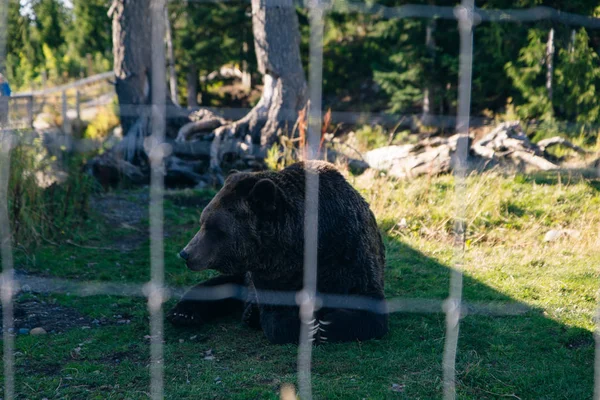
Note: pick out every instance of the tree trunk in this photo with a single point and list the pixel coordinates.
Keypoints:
(277, 44)
(550, 63)
(572, 43)
(132, 57)
(428, 90)
(171, 59)
(192, 86)
(132, 32)
(246, 77)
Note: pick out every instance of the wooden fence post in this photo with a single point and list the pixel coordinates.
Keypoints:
(30, 100)
(65, 117)
(78, 105)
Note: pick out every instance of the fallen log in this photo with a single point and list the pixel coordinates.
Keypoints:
(558, 141)
(532, 160)
(203, 122)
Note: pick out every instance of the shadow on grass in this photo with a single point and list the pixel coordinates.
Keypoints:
(590, 176)
(526, 355)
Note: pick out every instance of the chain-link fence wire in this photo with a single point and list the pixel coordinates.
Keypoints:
(453, 303)
(307, 297)
(156, 292)
(156, 151)
(6, 277)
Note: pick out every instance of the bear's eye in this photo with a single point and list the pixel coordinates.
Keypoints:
(213, 228)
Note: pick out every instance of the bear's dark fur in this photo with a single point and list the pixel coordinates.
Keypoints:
(252, 232)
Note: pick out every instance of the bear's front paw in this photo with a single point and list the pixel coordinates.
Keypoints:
(181, 315)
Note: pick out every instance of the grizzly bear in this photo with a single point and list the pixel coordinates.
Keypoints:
(252, 233)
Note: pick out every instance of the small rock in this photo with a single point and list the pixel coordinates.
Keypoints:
(555, 234)
(193, 337)
(397, 387)
(96, 322)
(208, 355)
(26, 288)
(218, 379)
(402, 224)
(181, 340)
(23, 331)
(11, 330)
(572, 232)
(37, 331)
(552, 235)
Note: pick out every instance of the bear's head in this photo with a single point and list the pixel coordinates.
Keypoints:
(233, 225)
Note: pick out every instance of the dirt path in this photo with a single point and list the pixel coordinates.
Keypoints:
(127, 212)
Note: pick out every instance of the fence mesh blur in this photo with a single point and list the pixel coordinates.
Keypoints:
(466, 15)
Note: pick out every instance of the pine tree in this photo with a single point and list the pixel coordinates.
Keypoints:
(91, 31)
(207, 36)
(51, 21)
(578, 81)
(528, 75)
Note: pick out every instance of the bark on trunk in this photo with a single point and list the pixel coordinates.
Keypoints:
(132, 32)
(171, 60)
(550, 63)
(246, 77)
(277, 45)
(192, 86)
(132, 57)
(572, 43)
(428, 91)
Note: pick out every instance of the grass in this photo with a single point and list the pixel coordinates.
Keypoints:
(548, 353)
(43, 202)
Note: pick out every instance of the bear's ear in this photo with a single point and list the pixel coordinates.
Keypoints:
(263, 197)
(243, 183)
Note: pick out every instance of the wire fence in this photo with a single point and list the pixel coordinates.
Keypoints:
(66, 104)
(308, 300)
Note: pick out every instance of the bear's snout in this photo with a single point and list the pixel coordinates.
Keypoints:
(183, 254)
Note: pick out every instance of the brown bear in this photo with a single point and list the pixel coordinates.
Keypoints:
(252, 233)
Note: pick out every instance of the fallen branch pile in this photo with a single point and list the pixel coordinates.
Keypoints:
(195, 156)
(506, 146)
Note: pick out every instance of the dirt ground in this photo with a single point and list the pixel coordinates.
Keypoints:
(31, 312)
(126, 212)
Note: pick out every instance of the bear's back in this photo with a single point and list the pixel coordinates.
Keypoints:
(351, 255)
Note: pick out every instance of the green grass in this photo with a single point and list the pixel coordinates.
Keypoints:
(547, 353)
